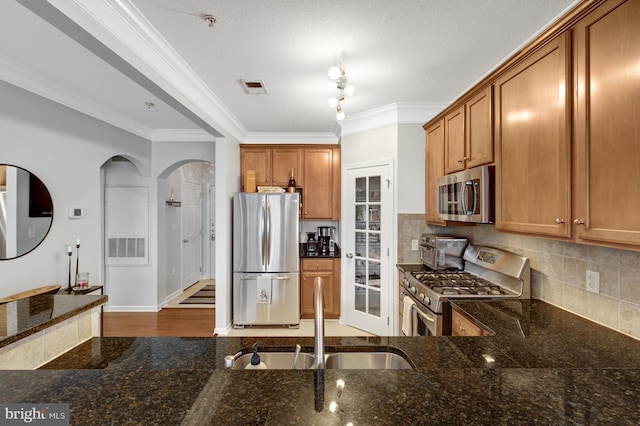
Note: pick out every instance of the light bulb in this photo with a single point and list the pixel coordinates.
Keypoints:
(334, 73)
(333, 102)
(339, 114)
(349, 89)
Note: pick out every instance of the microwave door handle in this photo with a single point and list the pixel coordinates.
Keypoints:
(464, 198)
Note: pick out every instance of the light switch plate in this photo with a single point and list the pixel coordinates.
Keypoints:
(593, 281)
(414, 245)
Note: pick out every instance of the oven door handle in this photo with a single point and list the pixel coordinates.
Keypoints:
(425, 316)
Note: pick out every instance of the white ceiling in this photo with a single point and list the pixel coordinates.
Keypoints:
(406, 51)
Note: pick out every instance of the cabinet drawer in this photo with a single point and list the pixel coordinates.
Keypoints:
(463, 326)
(317, 264)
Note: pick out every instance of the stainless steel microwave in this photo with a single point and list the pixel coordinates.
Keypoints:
(467, 196)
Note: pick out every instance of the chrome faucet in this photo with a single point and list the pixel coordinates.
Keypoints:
(318, 323)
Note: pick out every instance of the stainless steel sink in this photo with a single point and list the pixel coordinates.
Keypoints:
(276, 360)
(333, 361)
(366, 361)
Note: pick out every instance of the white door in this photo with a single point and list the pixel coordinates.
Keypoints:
(369, 231)
(212, 231)
(191, 211)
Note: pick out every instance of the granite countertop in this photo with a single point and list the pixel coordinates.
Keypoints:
(410, 267)
(75, 291)
(544, 366)
(30, 315)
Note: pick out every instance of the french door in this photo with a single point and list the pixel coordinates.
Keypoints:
(369, 225)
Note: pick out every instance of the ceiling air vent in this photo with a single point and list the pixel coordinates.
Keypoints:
(255, 87)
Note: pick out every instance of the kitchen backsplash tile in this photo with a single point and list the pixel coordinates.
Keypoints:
(558, 270)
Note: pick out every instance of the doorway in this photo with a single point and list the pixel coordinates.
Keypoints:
(368, 244)
(191, 218)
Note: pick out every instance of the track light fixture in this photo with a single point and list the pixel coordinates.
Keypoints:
(344, 89)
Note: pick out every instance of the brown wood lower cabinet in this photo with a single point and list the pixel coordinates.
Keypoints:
(463, 326)
(329, 271)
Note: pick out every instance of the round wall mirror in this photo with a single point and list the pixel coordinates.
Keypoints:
(26, 211)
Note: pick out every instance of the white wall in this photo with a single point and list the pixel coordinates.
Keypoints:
(65, 149)
(227, 182)
(410, 188)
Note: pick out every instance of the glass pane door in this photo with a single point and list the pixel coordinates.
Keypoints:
(368, 238)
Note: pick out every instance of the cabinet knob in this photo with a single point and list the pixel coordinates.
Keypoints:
(578, 222)
(559, 221)
(459, 161)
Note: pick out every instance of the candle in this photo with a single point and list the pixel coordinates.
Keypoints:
(69, 250)
(78, 242)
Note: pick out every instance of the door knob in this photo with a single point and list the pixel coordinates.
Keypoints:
(349, 255)
(559, 221)
(578, 222)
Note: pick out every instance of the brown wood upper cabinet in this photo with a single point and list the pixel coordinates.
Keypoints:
(322, 187)
(434, 167)
(607, 154)
(533, 136)
(316, 170)
(271, 164)
(469, 133)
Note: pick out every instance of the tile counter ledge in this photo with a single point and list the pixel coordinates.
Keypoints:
(37, 329)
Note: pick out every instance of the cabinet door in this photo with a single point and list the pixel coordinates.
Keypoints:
(306, 294)
(258, 159)
(318, 188)
(607, 53)
(282, 161)
(454, 156)
(533, 135)
(434, 167)
(479, 129)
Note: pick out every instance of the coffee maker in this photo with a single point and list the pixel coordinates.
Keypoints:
(311, 247)
(324, 239)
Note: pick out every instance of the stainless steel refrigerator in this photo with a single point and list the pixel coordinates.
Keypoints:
(266, 280)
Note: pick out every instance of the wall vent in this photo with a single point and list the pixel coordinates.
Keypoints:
(254, 87)
(127, 247)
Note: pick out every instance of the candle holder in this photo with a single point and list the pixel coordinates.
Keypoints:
(77, 260)
(69, 252)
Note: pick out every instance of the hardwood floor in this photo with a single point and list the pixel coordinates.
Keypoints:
(167, 322)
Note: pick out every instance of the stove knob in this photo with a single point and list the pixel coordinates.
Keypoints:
(413, 290)
(421, 296)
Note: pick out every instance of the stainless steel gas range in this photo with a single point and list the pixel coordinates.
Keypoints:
(489, 273)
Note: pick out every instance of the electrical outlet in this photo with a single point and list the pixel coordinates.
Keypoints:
(414, 245)
(593, 281)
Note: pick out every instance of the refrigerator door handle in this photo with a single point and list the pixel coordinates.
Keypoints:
(283, 278)
(268, 232)
(249, 278)
(263, 239)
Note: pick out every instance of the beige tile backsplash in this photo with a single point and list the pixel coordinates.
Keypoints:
(558, 270)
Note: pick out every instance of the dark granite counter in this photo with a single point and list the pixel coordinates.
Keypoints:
(543, 366)
(411, 267)
(30, 315)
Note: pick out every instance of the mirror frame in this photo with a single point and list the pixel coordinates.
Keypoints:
(37, 191)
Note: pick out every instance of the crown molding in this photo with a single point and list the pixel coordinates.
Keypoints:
(291, 138)
(26, 78)
(396, 113)
(182, 135)
(123, 29)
